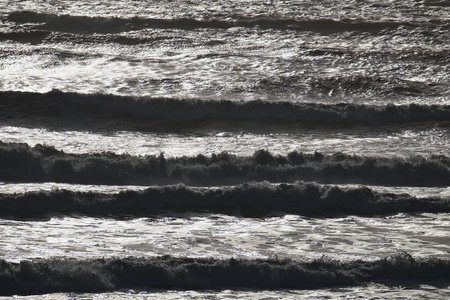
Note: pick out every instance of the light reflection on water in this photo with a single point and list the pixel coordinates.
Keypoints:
(359, 141)
(371, 291)
(228, 236)
(401, 65)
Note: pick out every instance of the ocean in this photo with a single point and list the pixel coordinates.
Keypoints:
(192, 149)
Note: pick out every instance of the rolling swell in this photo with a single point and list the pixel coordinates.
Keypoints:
(166, 272)
(249, 200)
(91, 110)
(20, 162)
(85, 24)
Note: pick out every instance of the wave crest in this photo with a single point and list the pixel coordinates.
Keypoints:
(248, 200)
(85, 24)
(72, 110)
(167, 272)
(21, 162)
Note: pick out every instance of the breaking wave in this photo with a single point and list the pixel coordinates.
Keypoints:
(20, 162)
(166, 272)
(72, 110)
(85, 24)
(249, 200)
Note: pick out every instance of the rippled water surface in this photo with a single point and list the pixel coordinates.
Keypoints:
(349, 90)
(371, 141)
(398, 50)
(225, 236)
(373, 291)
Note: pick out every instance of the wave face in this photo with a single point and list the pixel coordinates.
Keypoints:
(67, 275)
(145, 98)
(249, 200)
(78, 110)
(85, 24)
(21, 162)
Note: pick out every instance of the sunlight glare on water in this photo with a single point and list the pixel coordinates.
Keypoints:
(358, 141)
(197, 78)
(227, 236)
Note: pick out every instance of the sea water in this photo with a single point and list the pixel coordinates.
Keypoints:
(226, 149)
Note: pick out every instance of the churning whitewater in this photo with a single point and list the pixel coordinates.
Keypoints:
(226, 149)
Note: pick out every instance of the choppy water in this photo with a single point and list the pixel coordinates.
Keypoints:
(226, 149)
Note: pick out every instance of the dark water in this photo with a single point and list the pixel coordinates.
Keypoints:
(214, 150)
